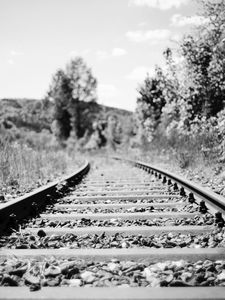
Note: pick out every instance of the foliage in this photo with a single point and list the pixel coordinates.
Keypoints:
(68, 90)
(183, 109)
(150, 103)
(31, 114)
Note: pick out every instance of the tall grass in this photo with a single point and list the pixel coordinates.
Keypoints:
(22, 168)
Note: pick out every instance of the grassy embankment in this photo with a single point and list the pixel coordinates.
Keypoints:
(23, 168)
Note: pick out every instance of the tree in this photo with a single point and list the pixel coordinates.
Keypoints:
(204, 53)
(150, 103)
(60, 92)
(68, 89)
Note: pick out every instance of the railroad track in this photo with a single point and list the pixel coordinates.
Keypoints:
(126, 230)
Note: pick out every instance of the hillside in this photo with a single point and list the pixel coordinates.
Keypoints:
(30, 115)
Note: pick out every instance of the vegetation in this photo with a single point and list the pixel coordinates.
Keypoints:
(23, 168)
(68, 90)
(181, 109)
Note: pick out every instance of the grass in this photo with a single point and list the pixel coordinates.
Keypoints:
(23, 168)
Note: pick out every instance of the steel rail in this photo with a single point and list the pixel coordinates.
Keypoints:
(217, 201)
(28, 204)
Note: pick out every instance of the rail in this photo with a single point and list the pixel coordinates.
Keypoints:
(29, 204)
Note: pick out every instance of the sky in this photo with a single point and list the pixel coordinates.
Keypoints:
(120, 40)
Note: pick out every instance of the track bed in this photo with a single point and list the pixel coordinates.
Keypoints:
(121, 228)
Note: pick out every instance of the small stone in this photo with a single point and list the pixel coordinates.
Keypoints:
(155, 282)
(52, 271)
(221, 276)
(18, 271)
(113, 267)
(185, 276)
(7, 280)
(128, 264)
(179, 264)
(41, 233)
(161, 266)
(125, 244)
(148, 274)
(53, 281)
(88, 277)
(31, 279)
(74, 282)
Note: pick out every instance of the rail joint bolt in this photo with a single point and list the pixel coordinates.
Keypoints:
(182, 192)
(191, 198)
(202, 207)
(175, 187)
(219, 221)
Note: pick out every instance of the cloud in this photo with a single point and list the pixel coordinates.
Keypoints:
(11, 61)
(118, 52)
(160, 4)
(152, 36)
(16, 53)
(140, 73)
(179, 20)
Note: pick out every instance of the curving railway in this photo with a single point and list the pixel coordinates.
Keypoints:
(120, 229)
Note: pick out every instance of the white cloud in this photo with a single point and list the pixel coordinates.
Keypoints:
(160, 4)
(152, 36)
(139, 73)
(15, 53)
(10, 61)
(118, 52)
(179, 20)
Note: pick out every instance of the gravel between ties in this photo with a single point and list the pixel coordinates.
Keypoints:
(187, 208)
(27, 240)
(74, 273)
(67, 200)
(206, 219)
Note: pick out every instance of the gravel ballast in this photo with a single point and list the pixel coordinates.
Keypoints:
(206, 219)
(63, 272)
(68, 200)
(150, 208)
(27, 240)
